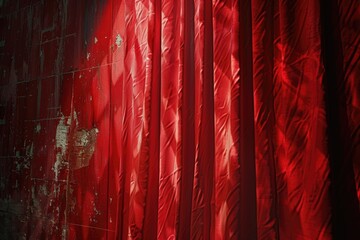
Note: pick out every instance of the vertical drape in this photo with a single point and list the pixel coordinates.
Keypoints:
(225, 129)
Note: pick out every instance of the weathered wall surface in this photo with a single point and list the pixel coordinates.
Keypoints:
(57, 59)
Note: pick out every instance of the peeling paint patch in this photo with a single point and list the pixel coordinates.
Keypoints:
(118, 40)
(95, 214)
(21, 164)
(73, 146)
(75, 118)
(62, 131)
(38, 128)
(43, 190)
(83, 148)
(35, 201)
(30, 150)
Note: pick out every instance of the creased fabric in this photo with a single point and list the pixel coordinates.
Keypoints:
(302, 164)
(232, 119)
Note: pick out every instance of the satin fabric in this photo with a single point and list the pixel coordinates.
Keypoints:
(227, 120)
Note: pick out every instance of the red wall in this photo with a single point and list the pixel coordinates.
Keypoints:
(57, 59)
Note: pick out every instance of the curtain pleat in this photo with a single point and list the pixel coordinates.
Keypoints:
(302, 161)
(170, 161)
(263, 54)
(202, 220)
(226, 121)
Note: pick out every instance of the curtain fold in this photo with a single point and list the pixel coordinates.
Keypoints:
(236, 120)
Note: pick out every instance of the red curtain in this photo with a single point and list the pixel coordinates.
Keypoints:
(238, 120)
(180, 119)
